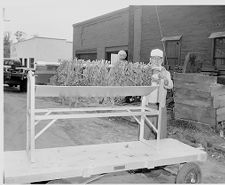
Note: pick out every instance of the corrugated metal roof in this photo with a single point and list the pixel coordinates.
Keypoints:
(178, 37)
(217, 35)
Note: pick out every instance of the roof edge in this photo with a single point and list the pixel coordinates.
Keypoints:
(102, 16)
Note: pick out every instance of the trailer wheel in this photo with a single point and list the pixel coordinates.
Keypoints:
(58, 181)
(189, 173)
(153, 172)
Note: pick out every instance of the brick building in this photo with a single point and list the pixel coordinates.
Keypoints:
(136, 29)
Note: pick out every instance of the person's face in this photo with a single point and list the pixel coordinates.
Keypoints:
(156, 61)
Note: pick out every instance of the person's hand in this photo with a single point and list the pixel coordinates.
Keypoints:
(166, 82)
(162, 75)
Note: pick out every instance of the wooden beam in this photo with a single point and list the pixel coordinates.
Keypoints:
(95, 115)
(87, 109)
(44, 129)
(92, 91)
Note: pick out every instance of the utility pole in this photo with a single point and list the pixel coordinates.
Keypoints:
(1, 84)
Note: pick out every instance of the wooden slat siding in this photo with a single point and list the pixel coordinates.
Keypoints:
(200, 114)
(221, 117)
(195, 78)
(196, 103)
(220, 113)
(218, 90)
(219, 101)
(192, 93)
(202, 87)
(92, 91)
(192, 97)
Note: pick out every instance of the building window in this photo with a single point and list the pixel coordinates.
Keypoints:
(219, 52)
(218, 49)
(31, 61)
(172, 51)
(88, 54)
(21, 60)
(25, 62)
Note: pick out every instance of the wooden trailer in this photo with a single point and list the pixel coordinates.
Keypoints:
(35, 165)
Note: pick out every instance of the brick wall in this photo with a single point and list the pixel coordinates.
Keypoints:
(195, 23)
(106, 31)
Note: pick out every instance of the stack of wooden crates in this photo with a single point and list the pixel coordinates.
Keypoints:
(199, 98)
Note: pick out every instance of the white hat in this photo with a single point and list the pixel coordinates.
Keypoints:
(122, 54)
(157, 52)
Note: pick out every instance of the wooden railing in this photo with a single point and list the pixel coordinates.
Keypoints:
(149, 94)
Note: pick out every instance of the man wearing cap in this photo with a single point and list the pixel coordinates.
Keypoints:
(159, 72)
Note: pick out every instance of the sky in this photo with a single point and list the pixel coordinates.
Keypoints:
(54, 18)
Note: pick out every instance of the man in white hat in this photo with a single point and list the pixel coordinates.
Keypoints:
(159, 72)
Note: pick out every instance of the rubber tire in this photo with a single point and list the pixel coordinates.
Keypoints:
(185, 170)
(153, 172)
(23, 86)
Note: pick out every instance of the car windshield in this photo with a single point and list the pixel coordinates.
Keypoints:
(11, 62)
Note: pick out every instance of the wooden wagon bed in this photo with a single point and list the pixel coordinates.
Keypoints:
(75, 161)
(34, 165)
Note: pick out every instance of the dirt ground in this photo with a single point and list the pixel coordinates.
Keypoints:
(90, 131)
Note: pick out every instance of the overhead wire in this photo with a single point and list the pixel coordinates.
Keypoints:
(161, 34)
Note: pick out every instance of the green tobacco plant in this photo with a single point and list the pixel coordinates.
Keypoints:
(100, 73)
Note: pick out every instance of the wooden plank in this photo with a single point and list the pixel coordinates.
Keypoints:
(192, 93)
(93, 115)
(193, 97)
(218, 90)
(195, 77)
(219, 101)
(194, 113)
(220, 111)
(220, 117)
(196, 103)
(86, 160)
(87, 109)
(202, 87)
(92, 91)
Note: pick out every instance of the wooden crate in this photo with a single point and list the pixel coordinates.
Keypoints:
(198, 97)
(218, 94)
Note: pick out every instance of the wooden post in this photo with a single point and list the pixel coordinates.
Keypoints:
(141, 130)
(30, 116)
(162, 118)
